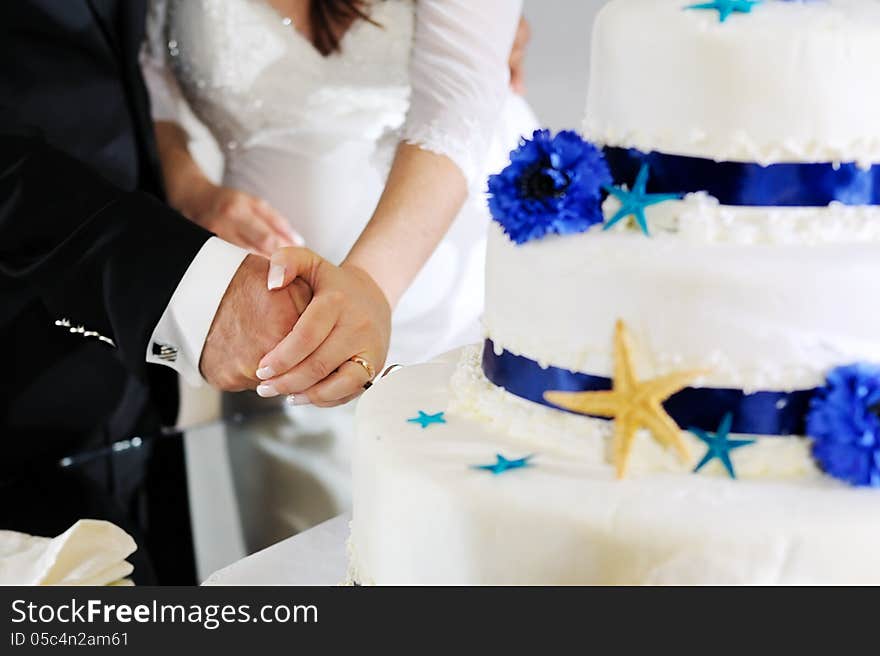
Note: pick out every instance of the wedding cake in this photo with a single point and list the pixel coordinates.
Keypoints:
(680, 381)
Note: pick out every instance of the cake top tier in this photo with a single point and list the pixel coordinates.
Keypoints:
(774, 81)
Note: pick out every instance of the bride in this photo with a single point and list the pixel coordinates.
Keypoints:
(363, 130)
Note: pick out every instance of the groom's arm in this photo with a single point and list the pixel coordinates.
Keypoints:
(100, 257)
(119, 263)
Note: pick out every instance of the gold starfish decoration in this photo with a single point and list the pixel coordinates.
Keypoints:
(632, 403)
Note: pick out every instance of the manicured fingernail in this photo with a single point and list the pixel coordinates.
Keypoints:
(265, 373)
(298, 240)
(297, 400)
(276, 276)
(267, 390)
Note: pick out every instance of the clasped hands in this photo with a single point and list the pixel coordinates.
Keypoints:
(292, 325)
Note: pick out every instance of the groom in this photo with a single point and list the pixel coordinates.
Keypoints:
(99, 282)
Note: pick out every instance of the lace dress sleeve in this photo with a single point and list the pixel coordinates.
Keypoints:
(166, 98)
(460, 76)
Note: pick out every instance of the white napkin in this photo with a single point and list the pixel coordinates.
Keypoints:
(90, 552)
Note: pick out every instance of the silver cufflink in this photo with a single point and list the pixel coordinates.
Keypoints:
(165, 352)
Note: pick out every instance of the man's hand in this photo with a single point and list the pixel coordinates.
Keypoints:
(518, 57)
(249, 323)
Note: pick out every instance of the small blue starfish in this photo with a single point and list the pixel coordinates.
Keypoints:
(424, 419)
(720, 445)
(502, 464)
(636, 200)
(727, 7)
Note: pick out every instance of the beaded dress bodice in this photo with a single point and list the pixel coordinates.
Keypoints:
(253, 78)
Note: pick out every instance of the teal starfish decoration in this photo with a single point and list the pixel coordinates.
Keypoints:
(635, 201)
(727, 7)
(424, 419)
(720, 445)
(502, 464)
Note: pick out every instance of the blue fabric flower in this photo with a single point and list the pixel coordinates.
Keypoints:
(553, 185)
(844, 424)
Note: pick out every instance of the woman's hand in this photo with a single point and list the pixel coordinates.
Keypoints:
(349, 317)
(232, 215)
(241, 219)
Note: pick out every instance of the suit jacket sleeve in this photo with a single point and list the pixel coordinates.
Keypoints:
(103, 258)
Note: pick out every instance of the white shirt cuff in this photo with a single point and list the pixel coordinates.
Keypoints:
(180, 335)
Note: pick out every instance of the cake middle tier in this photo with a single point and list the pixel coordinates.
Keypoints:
(755, 316)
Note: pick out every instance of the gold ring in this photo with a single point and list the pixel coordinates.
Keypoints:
(371, 373)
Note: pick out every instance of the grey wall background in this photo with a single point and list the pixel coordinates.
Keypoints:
(557, 66)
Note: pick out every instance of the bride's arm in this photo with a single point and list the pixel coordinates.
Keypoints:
(424, 194)
(459, 77)
(231, 214)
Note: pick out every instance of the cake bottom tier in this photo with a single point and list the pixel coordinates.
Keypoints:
(424, 514)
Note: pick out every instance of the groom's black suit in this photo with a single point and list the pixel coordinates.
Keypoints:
(84, 238)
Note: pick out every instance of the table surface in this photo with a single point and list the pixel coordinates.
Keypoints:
(317, 557)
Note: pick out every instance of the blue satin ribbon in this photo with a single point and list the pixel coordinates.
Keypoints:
(750, 184)
(756, 413)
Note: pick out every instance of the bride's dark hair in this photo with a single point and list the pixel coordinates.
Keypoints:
(330, 19)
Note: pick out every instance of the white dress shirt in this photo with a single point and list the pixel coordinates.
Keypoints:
(179, 337)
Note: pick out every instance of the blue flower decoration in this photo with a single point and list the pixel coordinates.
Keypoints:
(844, 422)
(553, 185)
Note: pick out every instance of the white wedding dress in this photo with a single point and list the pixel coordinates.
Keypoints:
(315, 137)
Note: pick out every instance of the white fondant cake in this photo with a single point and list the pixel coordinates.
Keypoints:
(764, 300)
(422, 516)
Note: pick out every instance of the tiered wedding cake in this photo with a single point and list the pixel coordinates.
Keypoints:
(681, 378)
